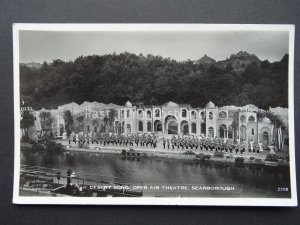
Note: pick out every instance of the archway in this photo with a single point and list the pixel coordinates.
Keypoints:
(61, 129)
(118, 127)
(128, 128)
(194, 128)
(230, 132)
(123, 127)
(265, 139)
(171, 125)
(202, 115)
(223, 131)
(210, 116)
(193, 115)
(184, 128)
(223, 115)
(157, 113)
(211, 132)
(183, 113)
(243, 133)
(140, 114)
(203, 128)
(157, 126)
(149, 114)
(149, 126)
(251, 119)
(141, 126)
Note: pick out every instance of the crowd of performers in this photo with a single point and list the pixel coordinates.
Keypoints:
(176, 142)
(138, 140)
(211, 144)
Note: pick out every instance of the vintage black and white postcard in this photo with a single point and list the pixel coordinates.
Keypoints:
(154, 114)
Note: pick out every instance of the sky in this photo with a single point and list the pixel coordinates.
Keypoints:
(40, 46)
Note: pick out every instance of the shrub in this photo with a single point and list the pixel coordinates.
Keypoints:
(189, 153)
(200, 156)
(54, 147)
(239, 161)
(258, 160)
(219, 154)
(272, 158)
(30, 141)
(207, 157)
(37, 147)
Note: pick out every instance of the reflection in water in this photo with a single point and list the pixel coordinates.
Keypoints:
(256, 181)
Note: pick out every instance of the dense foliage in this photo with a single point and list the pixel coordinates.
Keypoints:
(153, 80)
(26, 122)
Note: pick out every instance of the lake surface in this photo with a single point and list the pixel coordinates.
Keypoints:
(249, 181)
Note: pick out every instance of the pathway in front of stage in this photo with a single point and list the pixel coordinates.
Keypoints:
(161, 149)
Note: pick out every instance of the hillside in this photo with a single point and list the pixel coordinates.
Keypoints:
(238, 62)
(116, 78)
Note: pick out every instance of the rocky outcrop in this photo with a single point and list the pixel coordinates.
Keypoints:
(206, 60)
(238, 62)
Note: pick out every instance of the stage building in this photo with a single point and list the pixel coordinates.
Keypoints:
(227, 122)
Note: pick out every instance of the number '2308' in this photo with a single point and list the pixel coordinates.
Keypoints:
(280, 189)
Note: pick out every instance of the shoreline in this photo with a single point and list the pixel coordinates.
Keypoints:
(170, 154)
(196, 155)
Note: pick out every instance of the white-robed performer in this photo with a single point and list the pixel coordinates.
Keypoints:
(260, 147)
(251, 146)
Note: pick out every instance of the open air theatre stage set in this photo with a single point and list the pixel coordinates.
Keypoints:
(173, 119)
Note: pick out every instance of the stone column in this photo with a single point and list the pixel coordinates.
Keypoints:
(247, 139)
(145, 121)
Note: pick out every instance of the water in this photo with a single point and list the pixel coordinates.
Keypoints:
(249, 181)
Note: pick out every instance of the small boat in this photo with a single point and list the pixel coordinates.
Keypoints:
(56, 182)
(271, 163)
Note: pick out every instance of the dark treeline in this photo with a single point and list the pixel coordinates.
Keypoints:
(153, 80)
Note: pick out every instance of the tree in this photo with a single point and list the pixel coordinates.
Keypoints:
(251, 74)
(96, 122)
(106, 123)
(259, 116)
(112, 114)
(80, 119)
(46, 120)
(229, 68)
(46, 124)
(116, 78)
(76, 86)
(69, 122)
(235, 124)
(27, 121)
(276, 123)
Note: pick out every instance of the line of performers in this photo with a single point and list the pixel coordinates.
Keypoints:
(150, 140)
(210, 144)
(139, 140)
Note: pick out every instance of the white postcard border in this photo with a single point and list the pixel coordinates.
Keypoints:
(153, 200)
